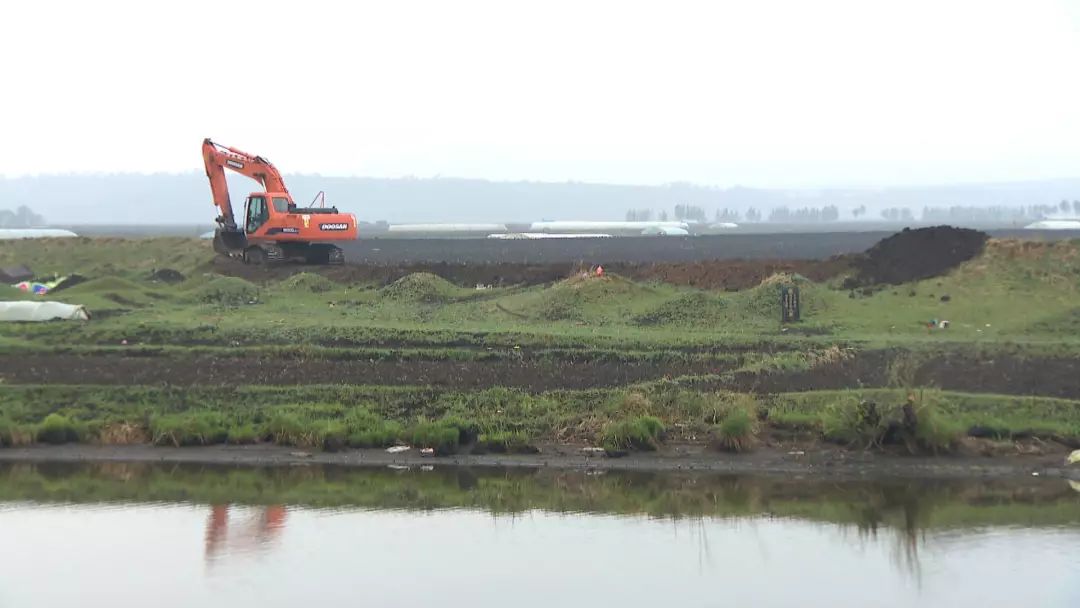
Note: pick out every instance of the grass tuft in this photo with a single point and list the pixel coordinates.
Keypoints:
(14, 435)
(641, 433)
(736, 431)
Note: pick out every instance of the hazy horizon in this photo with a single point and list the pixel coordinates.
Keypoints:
(771, 94)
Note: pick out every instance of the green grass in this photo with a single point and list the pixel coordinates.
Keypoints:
(627, 418)
(736, 431)
(441, 437)
(189, 428)
(641, 433)
(227, 291)
(243, 434)
(504, 442)
(308, 281)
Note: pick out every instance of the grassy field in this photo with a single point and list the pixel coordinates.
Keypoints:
(1022, 293)
(1016, 297)
(638, 417)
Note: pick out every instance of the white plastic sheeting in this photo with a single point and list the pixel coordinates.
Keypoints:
(1063, 224)
(594, 227)
(513, 236)
(42, 311)
(34, 233)
(446, 228)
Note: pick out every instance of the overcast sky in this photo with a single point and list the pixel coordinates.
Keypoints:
(762, 93)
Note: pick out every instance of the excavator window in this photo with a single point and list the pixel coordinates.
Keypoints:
(281, 204)
(257, 213)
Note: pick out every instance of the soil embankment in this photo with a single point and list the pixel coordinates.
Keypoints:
(727, 275)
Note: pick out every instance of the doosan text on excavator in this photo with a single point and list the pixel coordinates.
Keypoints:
(274, 229)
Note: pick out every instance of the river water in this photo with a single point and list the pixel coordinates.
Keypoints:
(143, 535)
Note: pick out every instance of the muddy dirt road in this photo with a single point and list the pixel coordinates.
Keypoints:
(1003, 374)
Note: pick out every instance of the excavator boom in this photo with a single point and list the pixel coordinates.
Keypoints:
(273, 227)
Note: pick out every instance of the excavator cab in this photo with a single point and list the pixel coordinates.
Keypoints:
(257, 213)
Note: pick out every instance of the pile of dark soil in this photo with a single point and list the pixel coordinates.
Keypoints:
(167, 275)
(917, 254)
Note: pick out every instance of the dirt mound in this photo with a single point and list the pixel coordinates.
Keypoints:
(228, 291)
(167, 275)
(421, 287)
(569, 299)
(695, 309)
(732, 275)
(917, 254)
(765, 298)
(308, 281)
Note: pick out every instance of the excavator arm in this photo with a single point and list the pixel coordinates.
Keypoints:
(217, 158)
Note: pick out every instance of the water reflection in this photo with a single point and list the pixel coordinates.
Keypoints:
(259, 528)
(283, 536)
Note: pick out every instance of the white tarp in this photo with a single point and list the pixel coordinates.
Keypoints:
(7, 234)
(42, 311)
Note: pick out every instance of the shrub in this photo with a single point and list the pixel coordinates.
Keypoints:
(854, 422)
(934, 431)
(736, 431)
(57, 429)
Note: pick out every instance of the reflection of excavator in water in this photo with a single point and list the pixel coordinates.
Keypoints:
(264, 526)
(274, 228)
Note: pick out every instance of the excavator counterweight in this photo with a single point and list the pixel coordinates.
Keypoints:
(273, 228)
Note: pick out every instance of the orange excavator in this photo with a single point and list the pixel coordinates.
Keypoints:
(274, 229)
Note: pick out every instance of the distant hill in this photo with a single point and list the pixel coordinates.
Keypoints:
(185, 198)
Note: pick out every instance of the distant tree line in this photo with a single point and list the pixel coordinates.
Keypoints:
(21, 217)
(809, 215)
(999, 213)
(898, 214)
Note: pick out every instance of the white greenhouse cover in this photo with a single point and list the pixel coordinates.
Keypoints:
(42, 311)
(7, 234)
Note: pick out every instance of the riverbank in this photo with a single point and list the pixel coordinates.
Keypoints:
(825, 462)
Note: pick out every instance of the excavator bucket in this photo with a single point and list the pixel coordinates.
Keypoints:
(230, 242)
